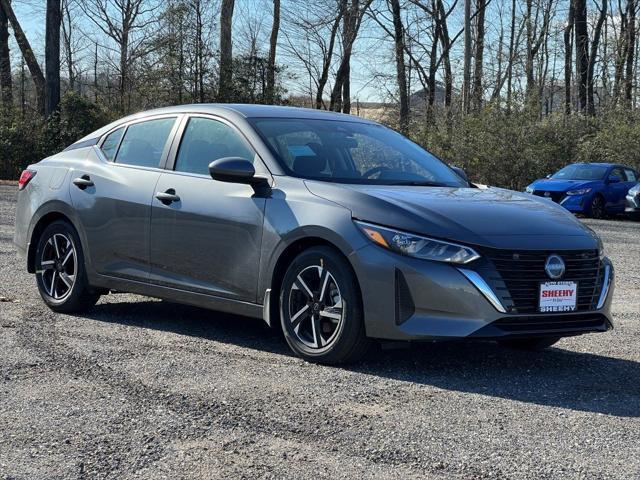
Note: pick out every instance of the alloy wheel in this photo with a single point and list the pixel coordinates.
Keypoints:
(58, 266)
(597, 208)
(316, 312)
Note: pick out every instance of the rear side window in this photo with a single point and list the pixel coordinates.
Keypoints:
(110, 144)
(631, 175)
(206, 140)
(144, 142)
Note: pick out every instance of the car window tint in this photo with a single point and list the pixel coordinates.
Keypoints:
(631, 175)
(617, 172)
(206, 140)
(110, 144)
(144, 142)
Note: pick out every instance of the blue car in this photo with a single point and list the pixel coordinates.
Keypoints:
(593, 189)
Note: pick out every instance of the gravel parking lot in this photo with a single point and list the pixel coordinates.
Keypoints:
(141, 388)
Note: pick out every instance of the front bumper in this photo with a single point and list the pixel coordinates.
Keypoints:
(576, 203)
(411, 299)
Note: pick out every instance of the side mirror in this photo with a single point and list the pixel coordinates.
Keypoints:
(614, 179)
(548, 176)
(235, 170)
(461, 173)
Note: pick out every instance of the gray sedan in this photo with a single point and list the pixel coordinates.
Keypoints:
(333, 228)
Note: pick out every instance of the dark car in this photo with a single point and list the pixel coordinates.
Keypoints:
(334, 228)
(593, 189)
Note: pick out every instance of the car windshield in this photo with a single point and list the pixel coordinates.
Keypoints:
(352, 152)
(581, 172)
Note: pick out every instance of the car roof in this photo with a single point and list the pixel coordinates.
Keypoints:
(230, 109)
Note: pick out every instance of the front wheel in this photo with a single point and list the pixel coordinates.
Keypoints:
(321, 310)
(60, 272)
(531, 344)
(596, 209)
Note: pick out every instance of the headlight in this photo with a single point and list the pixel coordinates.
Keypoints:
(529, 189)
(416, 246)
(635, 190)
(580, 191)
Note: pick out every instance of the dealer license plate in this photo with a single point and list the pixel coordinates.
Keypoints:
(558, 296)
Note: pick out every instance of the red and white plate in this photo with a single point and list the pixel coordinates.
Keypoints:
(558, 296)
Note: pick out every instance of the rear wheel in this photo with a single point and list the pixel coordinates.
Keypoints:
(321, 310)
(596, 209)
(531, 344)
(60, 271)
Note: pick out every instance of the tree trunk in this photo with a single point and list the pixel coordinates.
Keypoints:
(401, 72)
(6, 83)
(441, 18)
(273, 45)
(27, 54)
(225, 84)
(479, 55)
(466, 80)
(124, 70)
(52, 56)
(568, 50)
(631, 48)
(326, 64)
(511, 55)
(582, 52)
(597, 32)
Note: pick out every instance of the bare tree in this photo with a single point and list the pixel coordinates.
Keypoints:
(479, 54)
(273, 45)
(568, 51)
(121, 21)
(27, 54)
(225, 85)
(353, 13)
(6, 83)
(52, 56)
(401, 72)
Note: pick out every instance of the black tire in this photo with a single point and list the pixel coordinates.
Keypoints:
(59, 296)
(345, 337)
(530, 344)
(597, 207)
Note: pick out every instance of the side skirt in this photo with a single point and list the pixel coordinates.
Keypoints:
(221, 304)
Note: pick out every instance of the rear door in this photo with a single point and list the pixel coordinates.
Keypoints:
(617, 191)
(207, 239)
(112, 196)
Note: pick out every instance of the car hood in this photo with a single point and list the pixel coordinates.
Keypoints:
(490, 217)
(561, 185)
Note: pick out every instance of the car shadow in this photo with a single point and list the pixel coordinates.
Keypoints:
(556, 377)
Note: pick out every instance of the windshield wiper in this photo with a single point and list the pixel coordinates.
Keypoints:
(419, 183)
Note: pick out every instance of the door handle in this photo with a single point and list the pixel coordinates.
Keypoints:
(168, 197)
(83, 182)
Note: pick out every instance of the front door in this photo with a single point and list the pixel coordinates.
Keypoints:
(206, 235)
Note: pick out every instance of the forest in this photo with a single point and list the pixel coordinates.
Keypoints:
(509, 90)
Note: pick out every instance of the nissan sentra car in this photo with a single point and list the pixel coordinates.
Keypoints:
(592, 189)
(333, 228)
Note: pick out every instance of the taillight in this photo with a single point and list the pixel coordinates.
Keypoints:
(25, 178)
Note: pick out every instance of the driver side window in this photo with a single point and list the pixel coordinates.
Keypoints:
(205, 140)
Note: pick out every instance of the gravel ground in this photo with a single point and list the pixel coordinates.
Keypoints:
(141, 388)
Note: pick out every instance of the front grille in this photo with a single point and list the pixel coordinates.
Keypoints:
(555, 196)
(515, 276)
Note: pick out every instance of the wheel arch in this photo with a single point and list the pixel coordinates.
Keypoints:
(44, 220)
(285, 258)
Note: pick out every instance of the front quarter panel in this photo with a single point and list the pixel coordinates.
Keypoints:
(293, 213)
